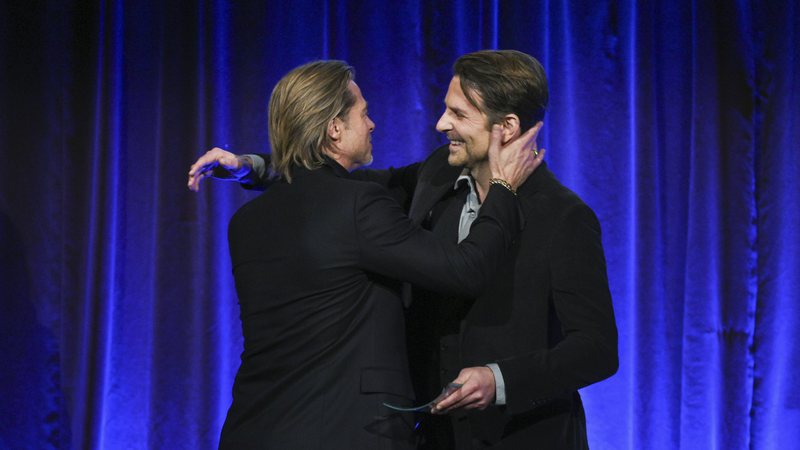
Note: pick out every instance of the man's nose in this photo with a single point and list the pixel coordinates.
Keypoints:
(443, 125)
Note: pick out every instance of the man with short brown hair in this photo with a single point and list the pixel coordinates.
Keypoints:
(545, 327)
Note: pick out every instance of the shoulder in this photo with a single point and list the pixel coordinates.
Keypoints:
(546, 200)
(312, 203)
(436, 161)
(308, 189)
(438, 156)
(252, 212)
(324, 190)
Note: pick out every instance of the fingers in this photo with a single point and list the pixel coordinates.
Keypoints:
(469, 396)
(194, 181)
(446, 405)
(208, 160)
(495, 143)
(517, 158)
(533, 133)
(497, 158)
(538, 157)
(530, 137)
(205, 165)
(477, 391)
(496, 138)
(215, 157)
(454, 396)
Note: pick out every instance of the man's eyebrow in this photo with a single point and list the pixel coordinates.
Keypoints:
(457, 110)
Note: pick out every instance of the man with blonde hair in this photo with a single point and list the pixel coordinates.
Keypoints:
(312, 258)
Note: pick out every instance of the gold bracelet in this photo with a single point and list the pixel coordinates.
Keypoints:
(503, 183)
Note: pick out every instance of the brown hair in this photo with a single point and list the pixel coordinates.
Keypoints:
(301, 106)
(507, 81)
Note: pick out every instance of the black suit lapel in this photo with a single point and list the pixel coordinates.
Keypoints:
(436, 179)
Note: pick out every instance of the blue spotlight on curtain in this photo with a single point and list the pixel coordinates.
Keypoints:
(678, 122)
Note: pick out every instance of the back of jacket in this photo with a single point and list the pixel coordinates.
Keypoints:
(321, 335)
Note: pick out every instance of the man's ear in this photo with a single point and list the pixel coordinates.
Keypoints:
(510, 127)
(335, 129)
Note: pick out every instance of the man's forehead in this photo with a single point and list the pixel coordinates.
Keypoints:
(456, 99)
(356, 91)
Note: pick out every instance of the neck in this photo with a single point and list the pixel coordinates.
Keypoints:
(482, 175)
(344, 162)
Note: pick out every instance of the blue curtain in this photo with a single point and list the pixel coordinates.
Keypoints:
(678, 122)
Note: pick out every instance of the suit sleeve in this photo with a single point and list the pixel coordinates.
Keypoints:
(390, 245)
(582, 301)
(258, 180)
(399, 181)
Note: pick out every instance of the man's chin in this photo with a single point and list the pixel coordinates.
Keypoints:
(454, 160)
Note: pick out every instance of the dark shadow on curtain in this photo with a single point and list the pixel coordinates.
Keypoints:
(32, 410)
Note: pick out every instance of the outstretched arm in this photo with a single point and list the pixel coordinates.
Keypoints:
(251, 172)
(222, 165)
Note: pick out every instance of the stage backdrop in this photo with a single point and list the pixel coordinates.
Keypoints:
(678, 122)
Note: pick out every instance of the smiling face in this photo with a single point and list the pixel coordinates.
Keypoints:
(354, 141)
(466, 127)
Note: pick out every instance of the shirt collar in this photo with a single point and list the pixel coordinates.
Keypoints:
(465, 177)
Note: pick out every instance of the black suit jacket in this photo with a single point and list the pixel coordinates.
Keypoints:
(546, 319)
(323, 327)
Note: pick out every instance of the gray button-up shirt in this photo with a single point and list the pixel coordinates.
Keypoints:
(468, 214)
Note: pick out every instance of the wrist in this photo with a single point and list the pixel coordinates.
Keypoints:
(503, 183)
(499, 384)
(245, 166)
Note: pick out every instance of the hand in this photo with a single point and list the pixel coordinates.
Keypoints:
(517, 159)
(220, 164)
(477, 391)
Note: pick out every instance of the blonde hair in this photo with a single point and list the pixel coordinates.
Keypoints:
(300, 108)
